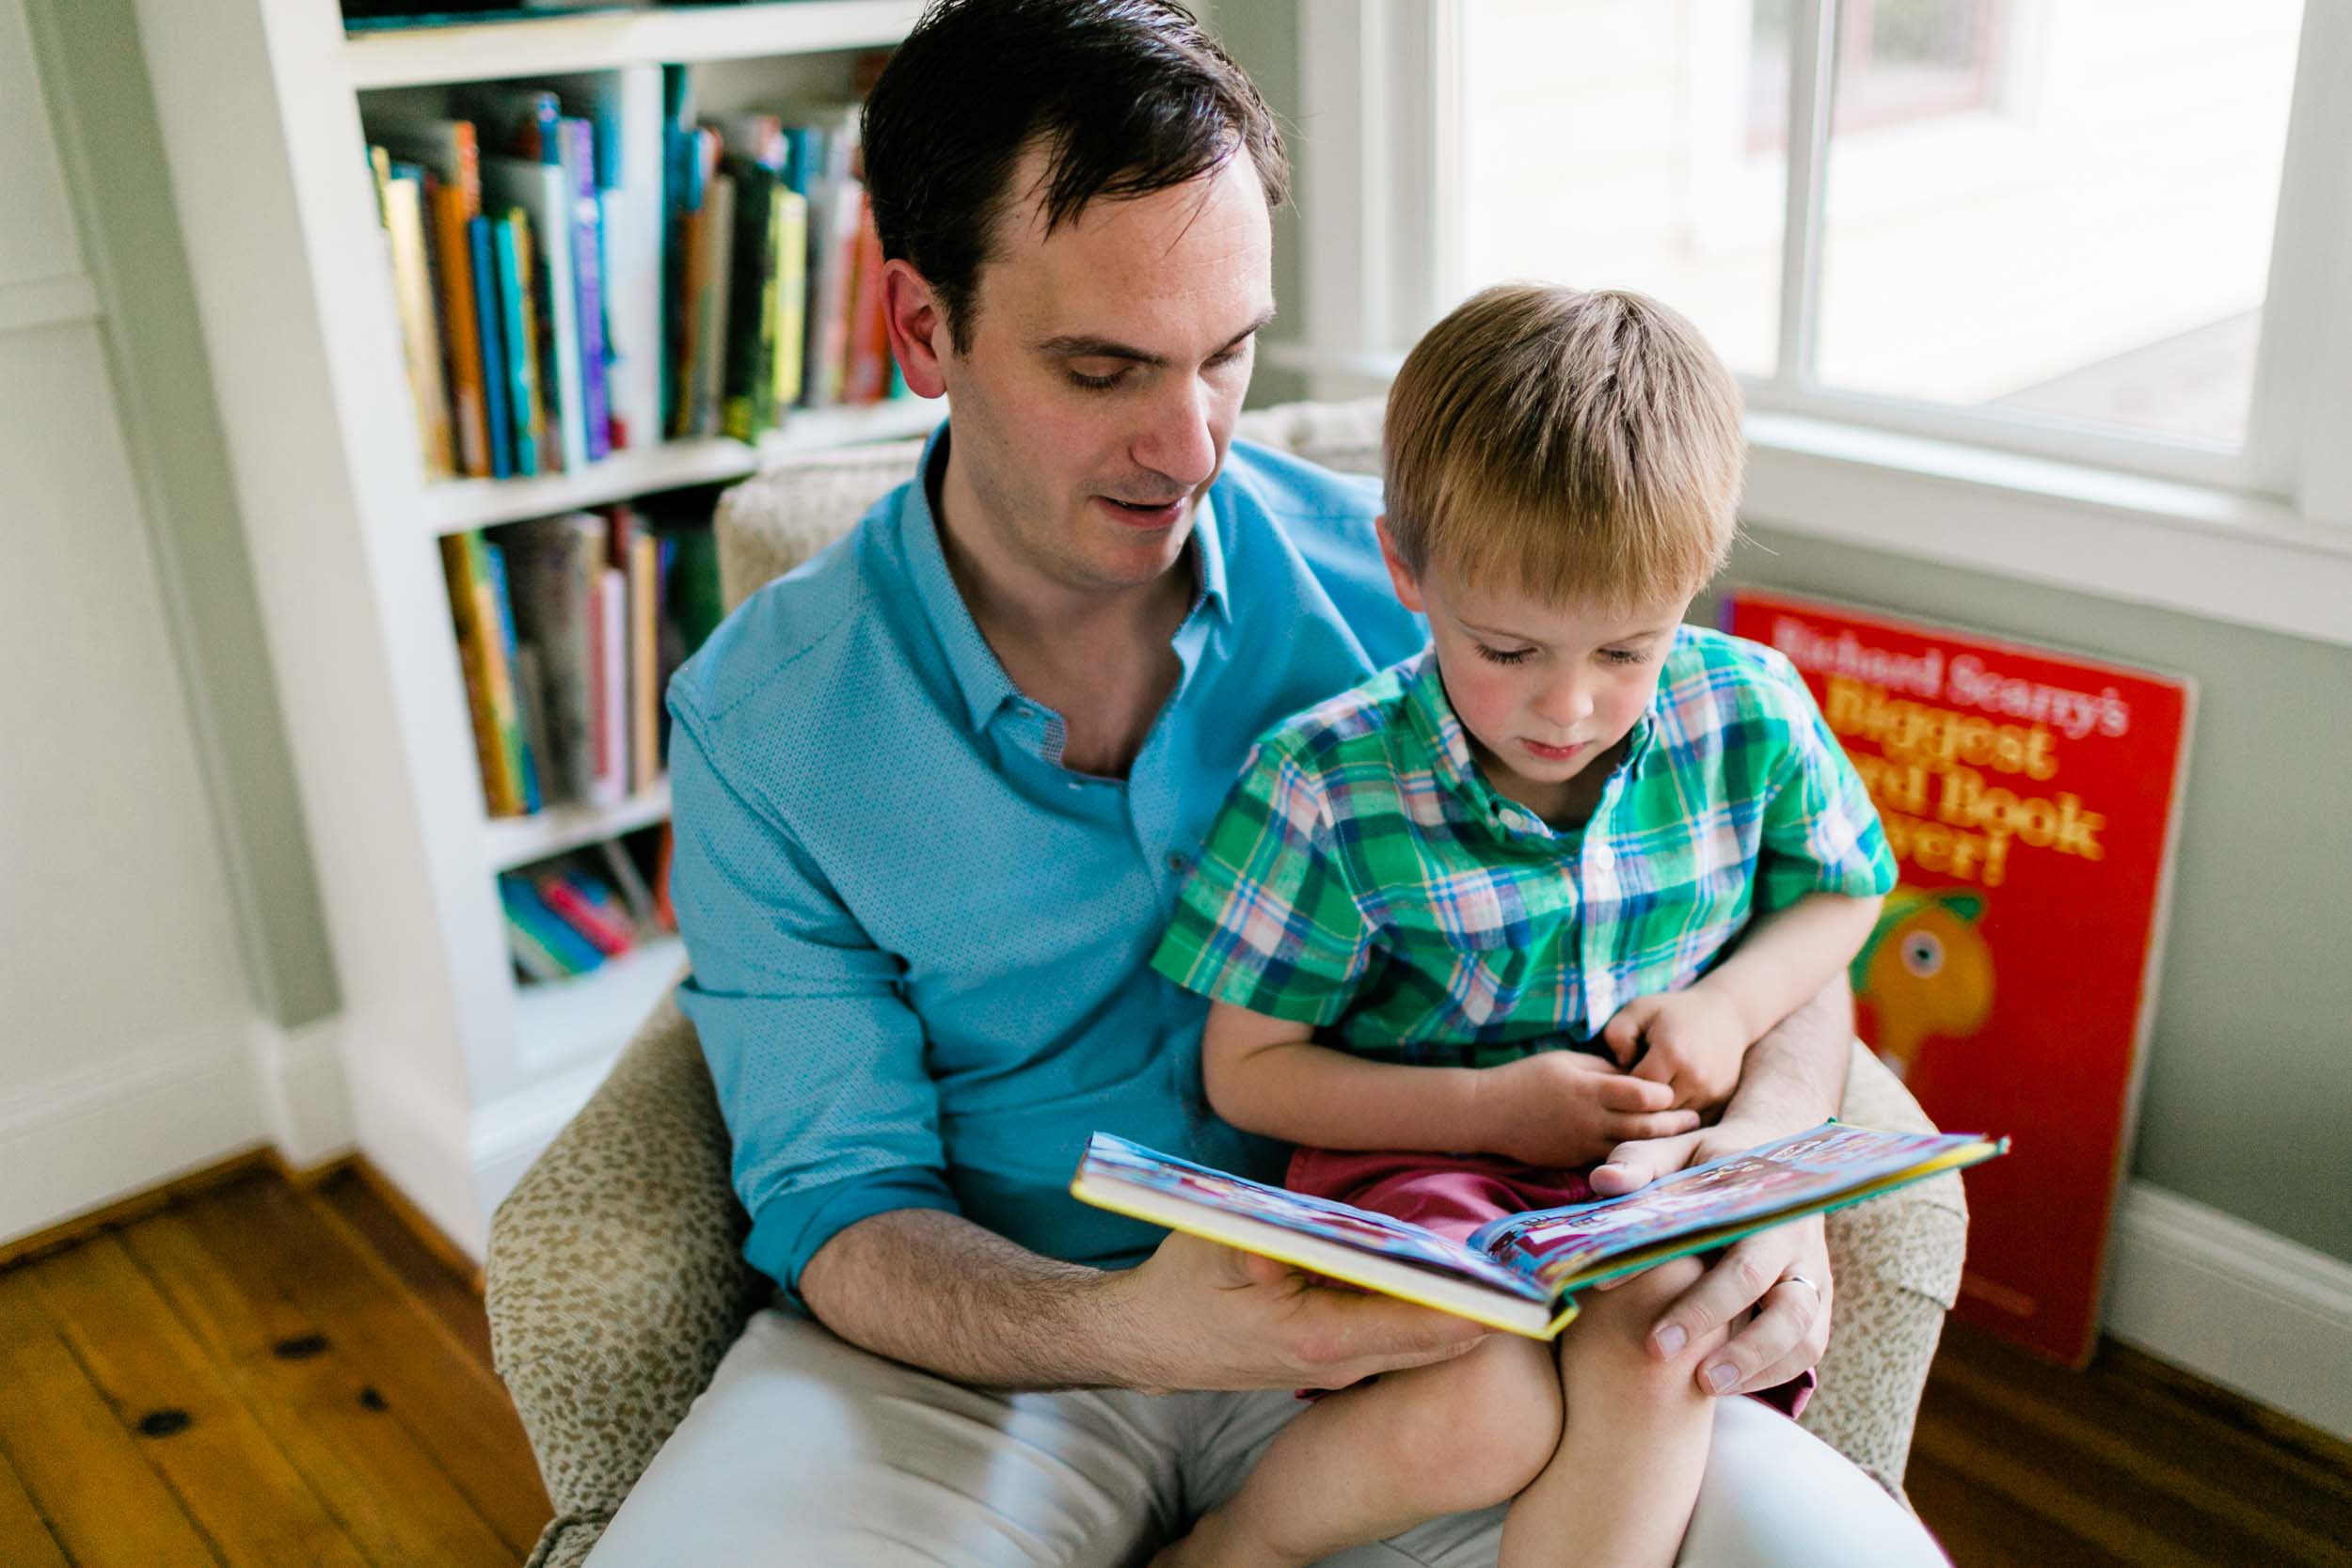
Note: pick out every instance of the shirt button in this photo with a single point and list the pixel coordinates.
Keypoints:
(1179, 863)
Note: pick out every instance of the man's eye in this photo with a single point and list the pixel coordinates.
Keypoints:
(1499, 656)
(1097, 382)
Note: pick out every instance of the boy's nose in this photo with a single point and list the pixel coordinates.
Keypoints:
(1564, 703)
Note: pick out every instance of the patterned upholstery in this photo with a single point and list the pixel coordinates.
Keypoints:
(614, 1279)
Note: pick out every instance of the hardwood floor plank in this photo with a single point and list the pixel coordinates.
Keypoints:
(87, 1474)
(393, 1498)
(2292, 1523)
(2132, 1395)
(348, 1195)
(268, 1238)
(1982, 1528)
(2089, 1500)
(239, 1486)
(26, 1539)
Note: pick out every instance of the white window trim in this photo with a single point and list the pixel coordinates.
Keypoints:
(2260, 538)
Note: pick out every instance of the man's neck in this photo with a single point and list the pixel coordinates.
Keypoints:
(1016, 606)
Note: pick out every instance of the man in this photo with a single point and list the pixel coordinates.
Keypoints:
(934, 795)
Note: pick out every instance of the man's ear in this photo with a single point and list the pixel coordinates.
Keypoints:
(918, 328)
(1407, 585)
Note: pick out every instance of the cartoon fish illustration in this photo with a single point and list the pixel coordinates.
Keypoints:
(1926, 971)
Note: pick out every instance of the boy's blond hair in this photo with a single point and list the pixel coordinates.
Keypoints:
(1566, 445)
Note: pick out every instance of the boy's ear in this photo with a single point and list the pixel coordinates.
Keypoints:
(1407, 585)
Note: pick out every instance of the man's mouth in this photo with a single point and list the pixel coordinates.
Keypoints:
(1145, 514)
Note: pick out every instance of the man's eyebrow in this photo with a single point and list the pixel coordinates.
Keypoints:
(1082, 345)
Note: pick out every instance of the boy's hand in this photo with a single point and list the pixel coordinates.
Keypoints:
(1561, 1108)
(1695, 1041)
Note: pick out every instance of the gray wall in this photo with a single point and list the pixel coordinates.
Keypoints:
(2248, 1086)
(94, 71)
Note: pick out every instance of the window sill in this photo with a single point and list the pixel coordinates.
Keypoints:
(2198, 549)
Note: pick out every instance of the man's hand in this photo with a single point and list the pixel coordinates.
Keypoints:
(1782, 1272)
(1695, 1040)
(1198, 1315)
(1560, 1108)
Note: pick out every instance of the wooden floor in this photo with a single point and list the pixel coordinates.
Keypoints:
(262, 1375)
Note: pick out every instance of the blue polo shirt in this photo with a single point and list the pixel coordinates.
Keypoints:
(920, 944)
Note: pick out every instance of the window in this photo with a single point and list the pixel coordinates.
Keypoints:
(2045, 224)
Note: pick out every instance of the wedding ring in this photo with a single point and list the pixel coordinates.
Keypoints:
(1793, 1278)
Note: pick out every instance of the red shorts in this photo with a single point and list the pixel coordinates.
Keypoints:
(1454, 1193)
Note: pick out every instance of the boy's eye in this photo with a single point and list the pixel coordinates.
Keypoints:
(1626, 655)
(1499, 656)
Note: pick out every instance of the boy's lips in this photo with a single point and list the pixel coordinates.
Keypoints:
(1556, 753)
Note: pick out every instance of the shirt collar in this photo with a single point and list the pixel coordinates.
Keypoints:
(1441, 737)
(978, 674)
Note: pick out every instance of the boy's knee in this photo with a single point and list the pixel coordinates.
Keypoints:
(1499, 1425)
(1610, 1341)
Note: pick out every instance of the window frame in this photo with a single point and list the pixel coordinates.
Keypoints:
(1378, 153)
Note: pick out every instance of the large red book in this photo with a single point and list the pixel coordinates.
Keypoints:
(2031, 798)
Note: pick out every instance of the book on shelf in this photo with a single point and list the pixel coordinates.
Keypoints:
(572, 914)
(509, 346)
(1523, 1273)
(771, 293)
(568, 629)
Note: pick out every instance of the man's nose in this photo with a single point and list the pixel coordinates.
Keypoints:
(1179, 439)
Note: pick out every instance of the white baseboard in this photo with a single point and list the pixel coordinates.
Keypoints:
(2235, 1303)
(304, 1098)
(140, 1117)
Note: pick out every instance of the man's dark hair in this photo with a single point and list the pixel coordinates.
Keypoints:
(1128, 96)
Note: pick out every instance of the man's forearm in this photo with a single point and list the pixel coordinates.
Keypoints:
(937, 1291)
(1795, 1076)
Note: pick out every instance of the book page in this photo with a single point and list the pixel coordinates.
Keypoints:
(1115, 1159)
(1554, 1245)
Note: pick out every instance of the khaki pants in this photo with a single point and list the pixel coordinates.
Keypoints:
(807, 1452)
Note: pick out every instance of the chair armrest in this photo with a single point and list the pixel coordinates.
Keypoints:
(615, 1279)
(1897, 1262)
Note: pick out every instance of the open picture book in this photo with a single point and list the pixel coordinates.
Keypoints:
(1520, 1273)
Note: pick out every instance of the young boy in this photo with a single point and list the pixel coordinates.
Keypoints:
(1527, 894)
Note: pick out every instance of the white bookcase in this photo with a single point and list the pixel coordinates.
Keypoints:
(455, 1075)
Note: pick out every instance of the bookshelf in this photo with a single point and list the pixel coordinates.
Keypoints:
(455, 1074)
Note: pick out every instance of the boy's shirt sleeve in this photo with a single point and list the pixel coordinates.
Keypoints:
(1267, 920)
(1820, 832)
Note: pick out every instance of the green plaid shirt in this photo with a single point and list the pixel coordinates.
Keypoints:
(1364, 878)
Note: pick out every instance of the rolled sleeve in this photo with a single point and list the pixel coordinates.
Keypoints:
(817, 1059)
(1820, 832)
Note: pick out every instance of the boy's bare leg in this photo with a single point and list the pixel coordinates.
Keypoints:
(1620, 1488)
(1368, 1461)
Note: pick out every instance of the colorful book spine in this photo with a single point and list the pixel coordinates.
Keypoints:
(645, 655)
(498, 792)
(497, 391)
(749, 349)
(421, 337)
(606, 936)
(538, 190)
(869, 376)
(526, 909)
(789, 218)
(587, 230)
(499, 619)
(612, 768)
(524, 417)
(462, 318)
